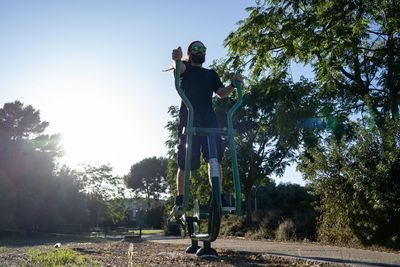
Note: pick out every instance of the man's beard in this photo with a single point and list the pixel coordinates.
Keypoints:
(198, 58)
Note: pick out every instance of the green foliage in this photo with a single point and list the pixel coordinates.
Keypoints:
(21, 122)
(151, 218)
(105, 194)
(59, 257)
(172, 144)
(359, 186)
(33, 193)
(353, 48)
(233, 226)
(172, 229)
(98, 182)
(115, 211)
(68, 201)
(147, 231)
(269, 131)
(200, 188)
(276, 204)
(149, 177)
(172, 127)
(38, 195)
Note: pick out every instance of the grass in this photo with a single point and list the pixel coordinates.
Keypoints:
(58, 257)
(147, 231)
(33, 239)
(3, 249)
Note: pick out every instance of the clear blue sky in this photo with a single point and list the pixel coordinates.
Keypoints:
(93, 69)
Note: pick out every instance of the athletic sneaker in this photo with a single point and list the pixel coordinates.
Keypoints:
(177, 211)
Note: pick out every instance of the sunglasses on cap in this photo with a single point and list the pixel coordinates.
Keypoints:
(198, 49)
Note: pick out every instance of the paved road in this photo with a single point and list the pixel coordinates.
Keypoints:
(306, 251)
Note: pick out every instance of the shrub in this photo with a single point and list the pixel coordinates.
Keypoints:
(260, 233)
(359, 188)
(286, 231)
(172, 229)
(233, 226)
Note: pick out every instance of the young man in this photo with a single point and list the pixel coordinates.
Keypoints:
(199, 85)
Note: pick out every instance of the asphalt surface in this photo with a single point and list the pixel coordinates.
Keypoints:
(305, 251)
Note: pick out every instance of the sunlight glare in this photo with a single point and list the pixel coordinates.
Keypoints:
(95, 123)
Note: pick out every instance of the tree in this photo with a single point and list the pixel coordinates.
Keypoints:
(353, 48)
(359, 198)
(199, 183)
(268, 130)
(276, 204)
(70, 204)
(172, 143)
(27, 171)
(268, 133)
(105, 194)
(149, 177)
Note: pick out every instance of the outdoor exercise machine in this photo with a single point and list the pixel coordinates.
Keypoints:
(215, 210)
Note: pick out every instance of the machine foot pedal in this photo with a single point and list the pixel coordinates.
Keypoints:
(206, 252)
(192, 249)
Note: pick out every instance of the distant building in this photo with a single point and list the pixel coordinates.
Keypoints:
(138, 204)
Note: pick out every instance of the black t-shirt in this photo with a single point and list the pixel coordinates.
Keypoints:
(199, 84)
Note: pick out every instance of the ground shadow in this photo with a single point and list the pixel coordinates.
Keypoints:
(35, 239)
(242, 259)
(336, 260)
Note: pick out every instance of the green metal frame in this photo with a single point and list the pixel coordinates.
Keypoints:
(214, 219)
(232, 146)
(189, 135)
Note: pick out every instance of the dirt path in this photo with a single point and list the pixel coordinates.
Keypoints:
(306, 251)
(170, 253)
(140, 253)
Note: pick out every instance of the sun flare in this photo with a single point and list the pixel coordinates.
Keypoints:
(93, 122)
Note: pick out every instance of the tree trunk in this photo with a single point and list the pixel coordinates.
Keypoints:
(148, 198)
(247, 197)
